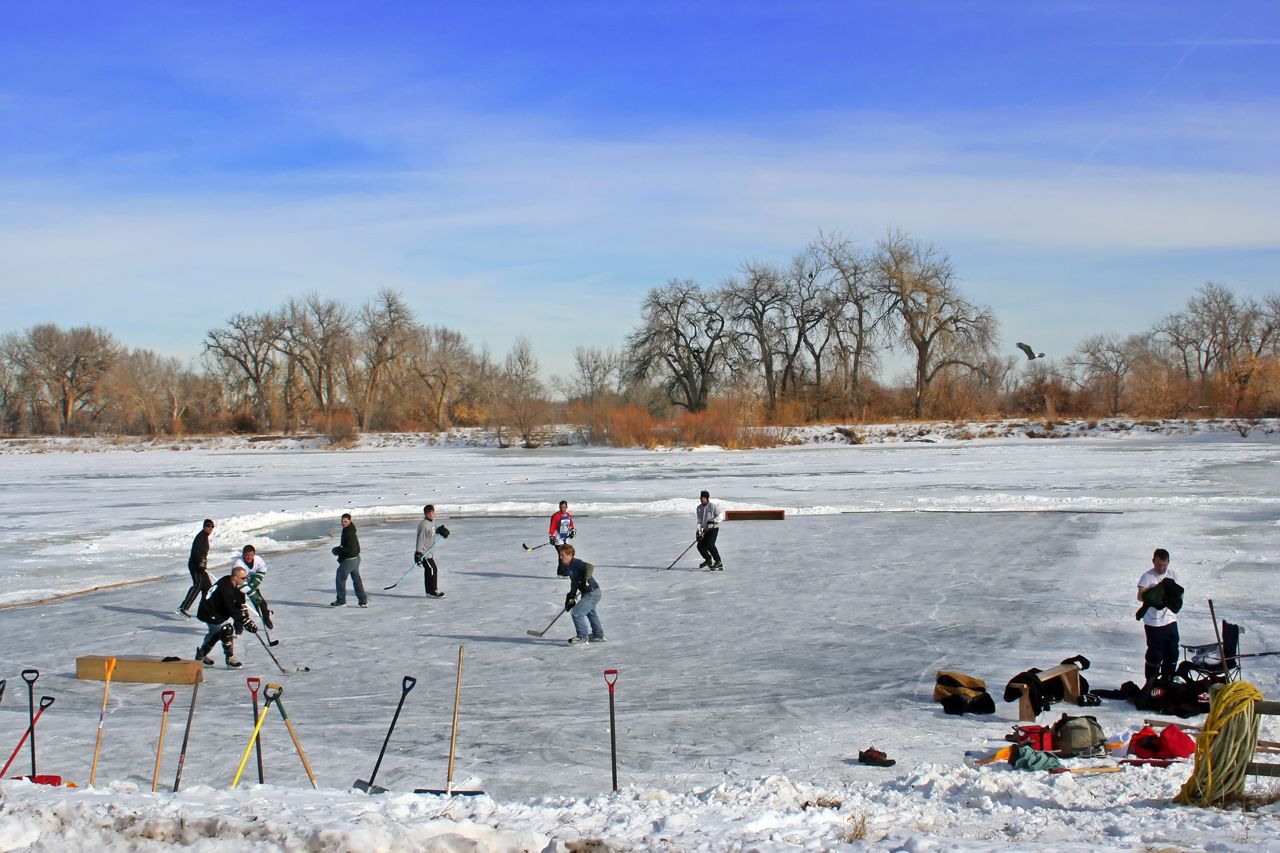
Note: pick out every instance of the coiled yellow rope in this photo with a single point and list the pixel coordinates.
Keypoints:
(1224, 748)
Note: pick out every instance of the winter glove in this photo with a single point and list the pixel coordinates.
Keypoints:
(698, 533)
(417, 558)
(251, 626)
(573, 531)
(337, 552)
(551, 540)
(570, 600)
(443, 531)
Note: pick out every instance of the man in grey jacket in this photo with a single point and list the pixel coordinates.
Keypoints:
(428, 537)
(709, 518)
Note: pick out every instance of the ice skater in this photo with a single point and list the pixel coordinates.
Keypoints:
(422, 554)
(198, 566)
(582, 599)
(348, 553)
(560, 532)
(257, 569)
(223, 609)
(709, 518)
(1161, 598)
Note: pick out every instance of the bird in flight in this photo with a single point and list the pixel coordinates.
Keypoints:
(1032, 355)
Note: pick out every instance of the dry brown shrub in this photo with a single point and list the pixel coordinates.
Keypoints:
(855, 829)
(631, 426)
(341, 429)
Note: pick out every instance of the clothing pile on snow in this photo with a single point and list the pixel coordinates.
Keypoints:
(1182, 696)
(1024, 757)
(1042, 695)
(962, 694)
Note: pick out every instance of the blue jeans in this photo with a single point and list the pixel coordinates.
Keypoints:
(585, 611)
(350, 566)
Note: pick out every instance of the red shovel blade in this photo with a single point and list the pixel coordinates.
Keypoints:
(42, 779)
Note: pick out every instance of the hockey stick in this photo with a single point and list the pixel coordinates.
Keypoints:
(533, 633)
(434, 543)
(258, 634)
(535, 547)
(682, 553)
(186, 735)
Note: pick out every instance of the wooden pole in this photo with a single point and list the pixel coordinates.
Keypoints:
(102, 718)
(453, 735)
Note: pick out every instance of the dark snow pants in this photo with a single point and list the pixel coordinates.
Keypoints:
(1162, 650)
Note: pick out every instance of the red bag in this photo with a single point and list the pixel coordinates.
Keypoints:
(1175, 743)
(1145, 744)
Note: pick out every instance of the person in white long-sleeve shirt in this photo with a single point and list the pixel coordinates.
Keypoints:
(422, 550)
(709, 518)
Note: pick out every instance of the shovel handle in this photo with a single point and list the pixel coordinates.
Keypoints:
(272, 692)
(610, 678)
(408, 683)
(167, 698)
(254, 683)
(45, 702)
(30, 675)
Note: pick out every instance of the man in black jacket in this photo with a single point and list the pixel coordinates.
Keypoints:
(348, 553)
(224, 603)
(198, 565)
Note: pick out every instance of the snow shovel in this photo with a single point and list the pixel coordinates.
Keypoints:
(110, 664)
(254, 683)
(167, 698)
(367, 786)
(45, 702)
(453, 742)
(30, 676)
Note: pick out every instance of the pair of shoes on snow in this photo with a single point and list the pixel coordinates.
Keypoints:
(436, 594)
(875, 758)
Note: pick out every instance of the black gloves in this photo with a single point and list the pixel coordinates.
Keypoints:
(417, 558)
(570, 599)
(337, 552)
(573, 531)
(551, 540)
(251, 626)
(443, 531)
(698, 533)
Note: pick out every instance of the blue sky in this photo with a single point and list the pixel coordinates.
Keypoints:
(534, 168)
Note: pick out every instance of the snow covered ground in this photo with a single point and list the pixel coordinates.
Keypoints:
(743, 697)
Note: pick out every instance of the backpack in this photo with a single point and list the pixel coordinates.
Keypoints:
(1078, 736)
(962, 694)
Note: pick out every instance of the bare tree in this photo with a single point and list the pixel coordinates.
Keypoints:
(934, 320)
(65, 369)
(440, 360)
(1107, 360)
(526, 402)
(245, 348)
(682, 340)
(385, 332)
(754, 306)
(151, 386)
(857, 313)
(316, 336)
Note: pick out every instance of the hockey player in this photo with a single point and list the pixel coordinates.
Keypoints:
(198, 566)
(257, 569)
(224, 603)
(583, 597)
(429, 535)
(709, 518)
(560, 532)
(348, 553)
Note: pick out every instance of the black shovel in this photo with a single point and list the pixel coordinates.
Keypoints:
(368, 787)
(30, 676)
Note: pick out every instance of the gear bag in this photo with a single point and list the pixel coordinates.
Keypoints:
(1079, 736)
(962, 694)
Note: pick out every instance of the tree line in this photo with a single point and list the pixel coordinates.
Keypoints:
(772, 344)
